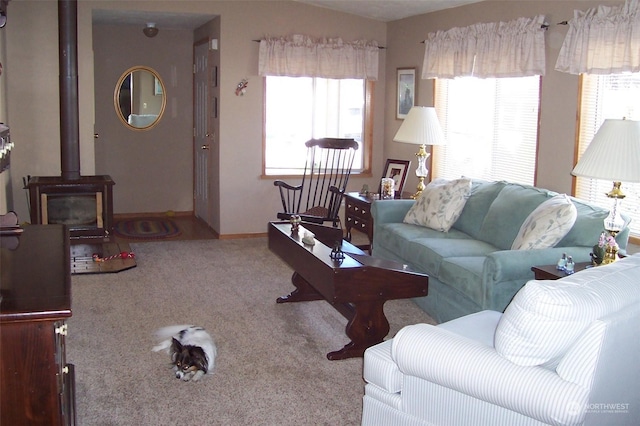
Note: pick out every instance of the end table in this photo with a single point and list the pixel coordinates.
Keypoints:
(357, 215)
(549, 272)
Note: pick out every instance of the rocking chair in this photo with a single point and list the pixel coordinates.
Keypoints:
(326, 173)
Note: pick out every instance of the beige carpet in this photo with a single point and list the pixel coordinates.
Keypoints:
(271, 368)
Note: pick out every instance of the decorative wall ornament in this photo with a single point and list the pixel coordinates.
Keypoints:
(241, 88)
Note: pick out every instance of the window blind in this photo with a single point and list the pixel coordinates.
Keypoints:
(491, 127)
(602, 97)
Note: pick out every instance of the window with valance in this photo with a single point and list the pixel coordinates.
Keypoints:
(603, 46)
(487, 97)
(315, 88)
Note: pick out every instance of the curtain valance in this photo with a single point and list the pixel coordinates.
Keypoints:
(304, 56)
(602, 40)
(487, 50)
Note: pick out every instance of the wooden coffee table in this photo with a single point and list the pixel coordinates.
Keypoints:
(357, 287)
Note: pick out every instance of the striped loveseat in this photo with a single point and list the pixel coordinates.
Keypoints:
(563, 353)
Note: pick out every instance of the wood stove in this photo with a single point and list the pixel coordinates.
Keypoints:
(85, 205)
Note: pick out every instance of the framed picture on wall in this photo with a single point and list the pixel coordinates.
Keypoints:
(406, 91)
(396, 170)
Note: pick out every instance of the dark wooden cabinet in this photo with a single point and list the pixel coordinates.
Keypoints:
(357, 215)
(36, 383)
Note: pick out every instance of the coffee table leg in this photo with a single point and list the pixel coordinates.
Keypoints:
(304, 292)
(367, 327)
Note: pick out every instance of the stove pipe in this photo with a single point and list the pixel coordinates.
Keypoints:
(69, 114)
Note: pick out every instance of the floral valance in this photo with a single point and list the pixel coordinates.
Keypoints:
(487, 50)
(602, 40)
(304, 56)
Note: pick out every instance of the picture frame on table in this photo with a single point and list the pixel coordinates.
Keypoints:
(405, 91)
(396, 170)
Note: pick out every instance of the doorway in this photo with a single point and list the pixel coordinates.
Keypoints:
(206, 61)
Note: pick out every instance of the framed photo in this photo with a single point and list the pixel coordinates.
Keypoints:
(396, 170)
(406, 91)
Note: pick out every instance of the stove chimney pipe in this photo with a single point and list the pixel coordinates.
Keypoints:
(69, 111)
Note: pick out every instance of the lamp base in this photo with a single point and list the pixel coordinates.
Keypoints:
(611, 252)
(419, 188)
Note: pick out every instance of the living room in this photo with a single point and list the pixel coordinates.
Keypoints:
(28, 46)
(32, 29)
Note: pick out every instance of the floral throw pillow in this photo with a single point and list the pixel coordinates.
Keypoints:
(440, 204)
(547, 224)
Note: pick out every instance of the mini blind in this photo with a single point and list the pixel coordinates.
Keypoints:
(602, 97)
(491, 127)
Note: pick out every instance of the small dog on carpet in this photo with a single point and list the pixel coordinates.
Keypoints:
(193, 351)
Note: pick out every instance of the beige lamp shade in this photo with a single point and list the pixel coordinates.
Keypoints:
(421, 127)
(613, 154)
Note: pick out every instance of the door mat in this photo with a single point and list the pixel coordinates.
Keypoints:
(147, 229)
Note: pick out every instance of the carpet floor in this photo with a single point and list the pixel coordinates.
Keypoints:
(271, 367)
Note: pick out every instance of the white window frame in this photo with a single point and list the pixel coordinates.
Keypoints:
(598, 100)
(472, 110)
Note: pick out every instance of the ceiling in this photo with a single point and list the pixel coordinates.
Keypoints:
(388, 10)
(163, 20)
(380, 10)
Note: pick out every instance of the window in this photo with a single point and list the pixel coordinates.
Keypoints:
(602, 97)
(491, 127)
(300, 108)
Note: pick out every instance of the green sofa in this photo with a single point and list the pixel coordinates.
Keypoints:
(472, 267)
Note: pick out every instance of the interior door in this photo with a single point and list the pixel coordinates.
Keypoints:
(202, 136)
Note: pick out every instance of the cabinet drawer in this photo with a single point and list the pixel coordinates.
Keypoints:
(358, 210)
(358, 223)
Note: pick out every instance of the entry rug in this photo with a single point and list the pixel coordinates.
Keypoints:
(147, 229)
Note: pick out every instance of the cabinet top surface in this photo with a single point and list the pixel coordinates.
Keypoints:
(368, 198)
(35, 275)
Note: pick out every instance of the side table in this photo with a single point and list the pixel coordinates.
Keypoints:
(357, 215)
(549, 272)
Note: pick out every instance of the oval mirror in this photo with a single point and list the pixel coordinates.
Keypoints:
(139, 98)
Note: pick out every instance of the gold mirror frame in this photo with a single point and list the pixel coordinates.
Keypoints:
(136, 109)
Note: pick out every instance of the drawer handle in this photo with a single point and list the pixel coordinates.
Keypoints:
(62, 330)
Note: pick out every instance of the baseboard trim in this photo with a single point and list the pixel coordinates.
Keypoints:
(238, 236)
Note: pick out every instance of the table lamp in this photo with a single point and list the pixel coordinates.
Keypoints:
(421, 127)
(613, 154)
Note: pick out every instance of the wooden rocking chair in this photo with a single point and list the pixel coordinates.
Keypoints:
(326, 174)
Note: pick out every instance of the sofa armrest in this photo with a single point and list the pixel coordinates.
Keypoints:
(472, 368)
(390, 211)
(510, 265)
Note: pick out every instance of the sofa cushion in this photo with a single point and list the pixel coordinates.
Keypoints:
(508, 211)
(396, 235)
(546, 317)
(475, 209)
(588, 226)
(547, 224)
(440, 204)
(428, 253)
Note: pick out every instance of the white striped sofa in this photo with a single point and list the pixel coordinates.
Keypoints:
(563, 353)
